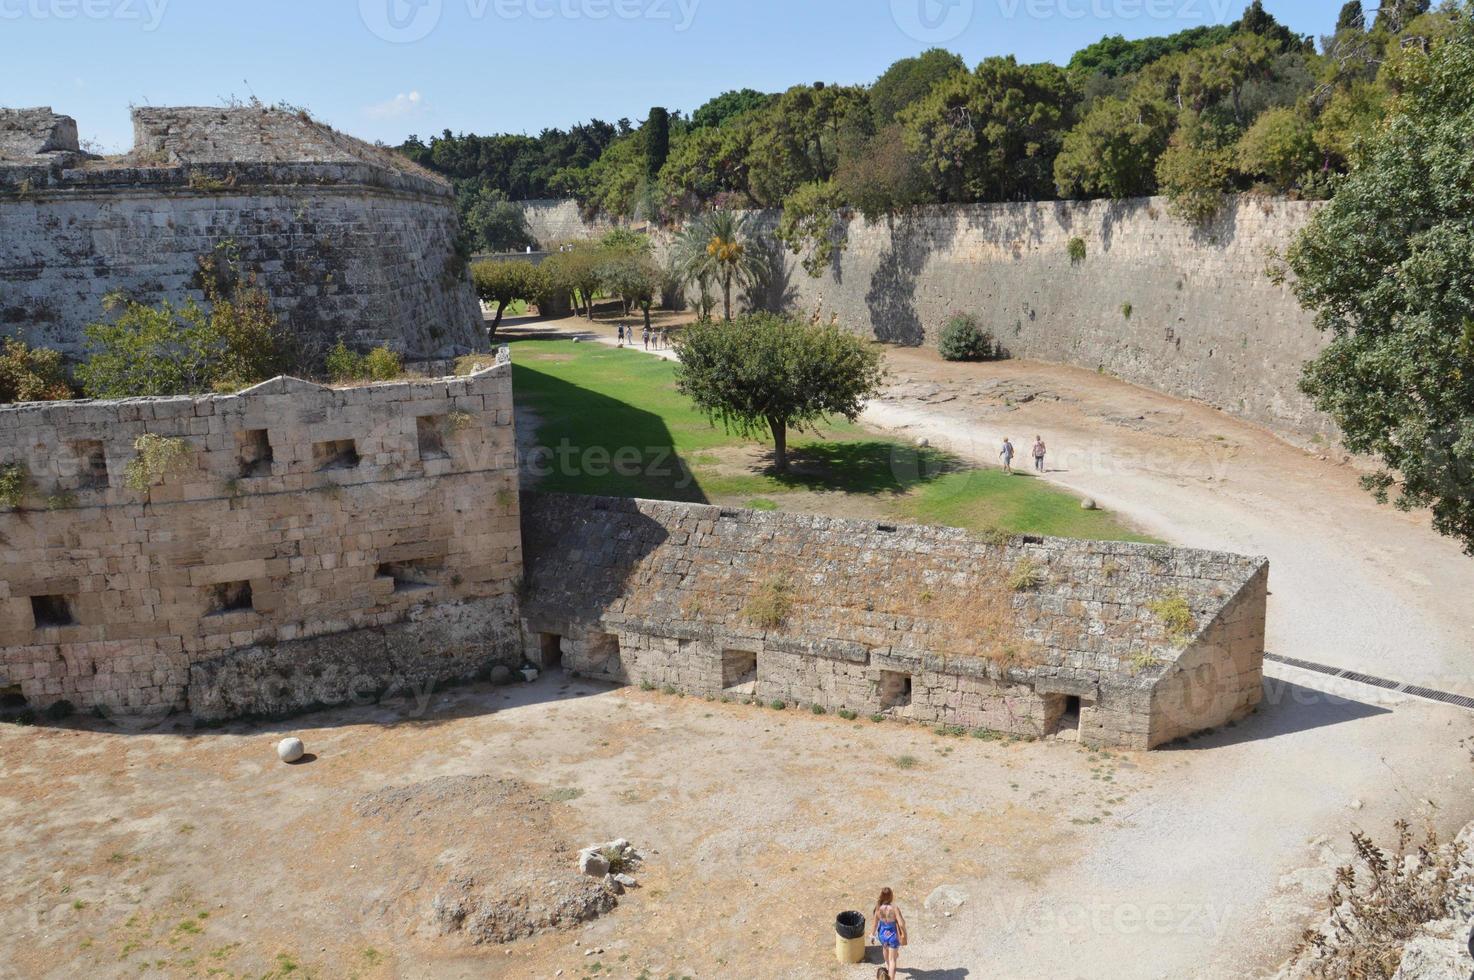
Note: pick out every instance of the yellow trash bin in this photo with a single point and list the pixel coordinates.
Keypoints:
(849, 950)
(849, 939)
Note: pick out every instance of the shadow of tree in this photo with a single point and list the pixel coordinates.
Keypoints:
(866, 467)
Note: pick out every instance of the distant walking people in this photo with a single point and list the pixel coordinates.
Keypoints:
(664, 337)
(890, 933)
(621, 335)
(1006, 454)
(647, 338)
(1039, 451)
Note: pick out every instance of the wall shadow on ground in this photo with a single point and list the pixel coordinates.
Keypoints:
(1287, 709)
(589, 443)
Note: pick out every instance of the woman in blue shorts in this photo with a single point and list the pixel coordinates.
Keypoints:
(890, 933)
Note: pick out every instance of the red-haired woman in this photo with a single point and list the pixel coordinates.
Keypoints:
(890, 932)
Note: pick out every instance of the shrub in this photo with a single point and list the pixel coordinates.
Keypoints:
(778, 705)
(1126, 310)
(158, 457)
(15, 481)
(877, 717)
(817, 709)
(379, 364)
(771, 604)
(646, 686)
(1077, 250)
(847, 714)
(30, 374)
(1175, 615)
(180, 350)
(668, 689)
(905, 762)
(963, 339)
(1377, 907)
(1025, 576)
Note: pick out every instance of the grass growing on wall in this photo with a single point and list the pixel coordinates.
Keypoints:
(593, 403)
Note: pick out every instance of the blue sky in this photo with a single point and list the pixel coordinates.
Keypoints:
(382, 69)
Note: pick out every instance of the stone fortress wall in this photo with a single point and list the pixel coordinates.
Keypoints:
(349, 239)
(1031, 636)
(1205, 321)
(313, 544)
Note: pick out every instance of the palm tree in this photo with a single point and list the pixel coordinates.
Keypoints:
(717, 246)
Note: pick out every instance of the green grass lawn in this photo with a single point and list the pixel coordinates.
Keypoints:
(611, 422)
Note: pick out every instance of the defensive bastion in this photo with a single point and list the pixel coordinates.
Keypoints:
(348, 239)
(291, 545)
(294, 545)
(1116, 644)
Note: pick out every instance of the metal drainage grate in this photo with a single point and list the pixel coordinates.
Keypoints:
(1427, 693)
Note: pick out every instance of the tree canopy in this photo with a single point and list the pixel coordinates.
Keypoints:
(1193, 115)
(775, 373)
(1388, 268)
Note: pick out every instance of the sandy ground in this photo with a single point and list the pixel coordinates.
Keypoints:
(1042, 859)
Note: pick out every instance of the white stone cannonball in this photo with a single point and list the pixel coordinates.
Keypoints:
(290, 749)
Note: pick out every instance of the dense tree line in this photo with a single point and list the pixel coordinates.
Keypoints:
(1193, 115)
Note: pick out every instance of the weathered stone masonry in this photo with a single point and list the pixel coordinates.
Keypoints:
(1206, 322)
(881, 618)
(348, 239)
(317, 544)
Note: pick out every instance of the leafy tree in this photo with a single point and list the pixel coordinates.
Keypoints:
(797, 139)
(496, 224)
(1114, 149)
(809, 224)
(626, 240)
(1279, 147)
(574, 272)
(718, 246)
(1114, 56)
(1388, 268)
(1351, 18)
(31, 374)
(776, 373)
(1349, 118)
(633, 277)
(1197, 167)
(910, 80)
(992, 134)
(504, 283)
(1393, 16)
(150, 350)
(657, 141)
(177, 350)
(728, 106)
(1257, 20)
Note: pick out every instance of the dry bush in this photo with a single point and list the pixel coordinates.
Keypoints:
(771, 602)
(1382, 900)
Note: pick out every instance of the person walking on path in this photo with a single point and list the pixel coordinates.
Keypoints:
(621, 335)
(1006, 454)
(647, 338)
(890, 933)
(1039, 451)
